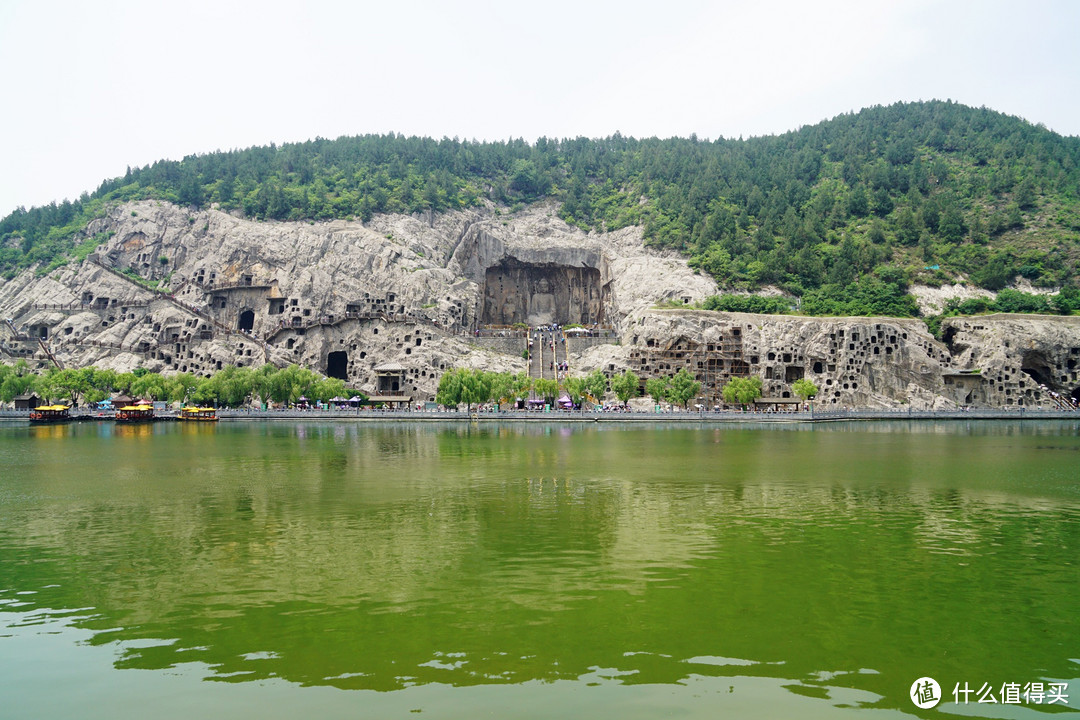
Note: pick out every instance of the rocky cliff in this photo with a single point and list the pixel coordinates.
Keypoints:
(186, 291)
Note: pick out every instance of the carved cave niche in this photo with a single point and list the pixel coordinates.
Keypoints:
(246, 320)
(540, 294)
(1038, 367)
(337, 365)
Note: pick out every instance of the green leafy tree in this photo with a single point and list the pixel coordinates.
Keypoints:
(101, 383)
(596, 384)
(657, 389)
(151, 385)
(1067, 301)
(546, 388)
(69, 383)
(182, 387)
(475, 388)
(742, 391)
(951, 225)
(285, 386)
(522, 385)
(683, 388)
(262, 383)
(575, 388)
(1024, 194)
(231, 386)
(625, 386)
(804, 388)
(503, 387)
(16, 380)
(326, 388)
(449, 391)
(122, 382)
(205, 393)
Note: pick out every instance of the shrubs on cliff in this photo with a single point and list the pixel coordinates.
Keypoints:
(868, 296)
(1065, 302)
(884, 293)
(748, 304)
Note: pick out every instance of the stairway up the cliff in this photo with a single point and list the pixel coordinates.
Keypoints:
(15, 334)
(559, 340)
(1060, 402)
(536, 359)
(548, 366)
(49, 354)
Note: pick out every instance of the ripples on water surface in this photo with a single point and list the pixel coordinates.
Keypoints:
(533, 571)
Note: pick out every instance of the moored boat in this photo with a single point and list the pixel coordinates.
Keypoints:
(198, 414)
(135, 413)
(50, 414)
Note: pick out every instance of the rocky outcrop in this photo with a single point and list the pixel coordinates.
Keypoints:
(192, 291)
(177, 290)
(855, 362)
(1004, 360)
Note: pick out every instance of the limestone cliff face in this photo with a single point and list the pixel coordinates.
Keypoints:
(1018, 359)
(346, 297)
(855, 362)
(339, 295)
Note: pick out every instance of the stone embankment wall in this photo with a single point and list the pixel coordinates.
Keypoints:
(514, 346)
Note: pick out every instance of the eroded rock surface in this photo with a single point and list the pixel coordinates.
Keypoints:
(184, 291)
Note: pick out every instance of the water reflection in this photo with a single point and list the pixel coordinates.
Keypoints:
(842, 563)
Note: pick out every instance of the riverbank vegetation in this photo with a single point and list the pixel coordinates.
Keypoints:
(468, 387)
(844, 214)
(229, 387)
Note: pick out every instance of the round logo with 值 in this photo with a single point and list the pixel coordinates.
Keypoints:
(925, 693)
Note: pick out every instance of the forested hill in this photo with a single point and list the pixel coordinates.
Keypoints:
(865, 202)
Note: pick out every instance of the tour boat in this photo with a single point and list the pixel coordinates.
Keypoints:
(198, 414)
(50, 414)
(135, 413)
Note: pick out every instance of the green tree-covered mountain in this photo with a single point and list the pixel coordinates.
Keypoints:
(857, 206)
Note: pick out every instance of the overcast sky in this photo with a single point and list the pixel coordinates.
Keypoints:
(90, 88)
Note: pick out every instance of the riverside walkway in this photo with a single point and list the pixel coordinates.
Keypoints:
(723, 416)
(587, 416)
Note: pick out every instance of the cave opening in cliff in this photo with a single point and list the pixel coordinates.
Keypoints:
(1037, 366)
(949, 338)
(337, 365)
(541, 294)
(247, 321)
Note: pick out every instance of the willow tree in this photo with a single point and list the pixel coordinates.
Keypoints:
(546, 388)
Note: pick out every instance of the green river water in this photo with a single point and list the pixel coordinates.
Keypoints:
(351, 570)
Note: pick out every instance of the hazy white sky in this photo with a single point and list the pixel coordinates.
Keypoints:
(89, 88)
